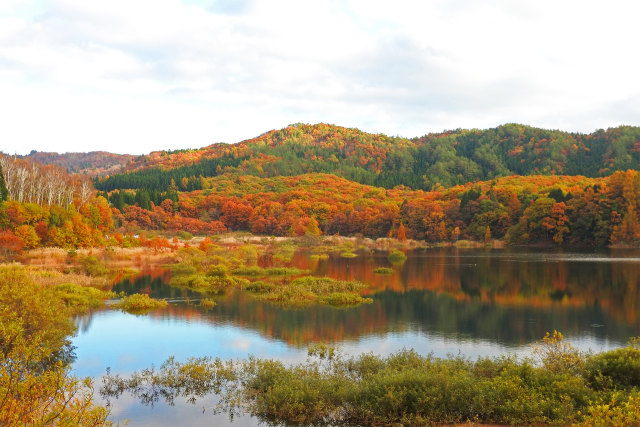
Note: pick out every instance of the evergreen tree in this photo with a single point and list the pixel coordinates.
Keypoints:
(4, 193)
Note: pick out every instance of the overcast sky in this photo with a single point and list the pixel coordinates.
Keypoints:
(133, 76)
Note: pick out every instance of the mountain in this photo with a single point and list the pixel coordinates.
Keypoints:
(95, 163)
(431, 161)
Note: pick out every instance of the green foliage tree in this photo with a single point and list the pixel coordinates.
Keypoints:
(4, 193)
(35, 385)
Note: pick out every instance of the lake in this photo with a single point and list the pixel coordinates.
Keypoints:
(474, 302)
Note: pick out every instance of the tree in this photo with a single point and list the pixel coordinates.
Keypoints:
(402, 236)
(487, 236)
(35, 385)
(455, 234)
(28, 235)
(4, 193)
(10, 245)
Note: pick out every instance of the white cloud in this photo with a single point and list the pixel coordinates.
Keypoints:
(156, 74)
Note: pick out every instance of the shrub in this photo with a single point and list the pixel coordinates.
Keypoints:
(218, 271)
(81, 298)
(621, 410)
(557, 355)
(93, 266)
(10, 245)
(401, 389)
(396, 257)
(182, 269)
(619, 368)
(185, 235)
(383, 270)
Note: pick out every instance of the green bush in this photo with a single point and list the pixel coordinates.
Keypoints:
(615, 368)
(182, 269)
(93, 266)
(396, 257)
(383, 270)
(81, 298)
(185, 235)
(620, 410)
(401, 389)
(218, 271)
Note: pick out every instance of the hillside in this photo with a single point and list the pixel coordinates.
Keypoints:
(321, 179)
(569, 210)
(93, 164)
(434, 160)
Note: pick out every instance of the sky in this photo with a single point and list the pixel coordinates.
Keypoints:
(134, 76)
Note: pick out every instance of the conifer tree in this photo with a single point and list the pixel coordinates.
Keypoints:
(4, 193)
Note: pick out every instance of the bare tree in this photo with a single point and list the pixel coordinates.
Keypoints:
(31, 182)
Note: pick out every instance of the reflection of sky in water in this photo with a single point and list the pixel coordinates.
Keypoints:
(126, 343)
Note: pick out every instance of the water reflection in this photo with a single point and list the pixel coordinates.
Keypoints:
(473, 302)
(506, 297)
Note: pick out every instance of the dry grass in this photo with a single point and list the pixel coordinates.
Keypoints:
(115, 258)
(53, 266)
(53, 277)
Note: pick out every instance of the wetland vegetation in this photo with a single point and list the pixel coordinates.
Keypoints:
(557, 385)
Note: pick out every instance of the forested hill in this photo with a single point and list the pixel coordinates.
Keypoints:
(95, 163)
(442, 159)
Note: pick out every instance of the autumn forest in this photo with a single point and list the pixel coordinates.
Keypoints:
(514, 183)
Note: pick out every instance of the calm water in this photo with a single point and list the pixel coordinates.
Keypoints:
(440, 301)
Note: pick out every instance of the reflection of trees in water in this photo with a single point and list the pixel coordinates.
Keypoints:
(509, 297)
(537, 279)
(423, 311)
(155, 285)
(83, 321)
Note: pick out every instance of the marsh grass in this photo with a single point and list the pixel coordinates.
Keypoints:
(348, 255)
(312, 290)
(319, 257)
(203, 283)
(139, 304)
(207, 303)
(269, 271)
(218, 270)
(405, 388)
(283, 253)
